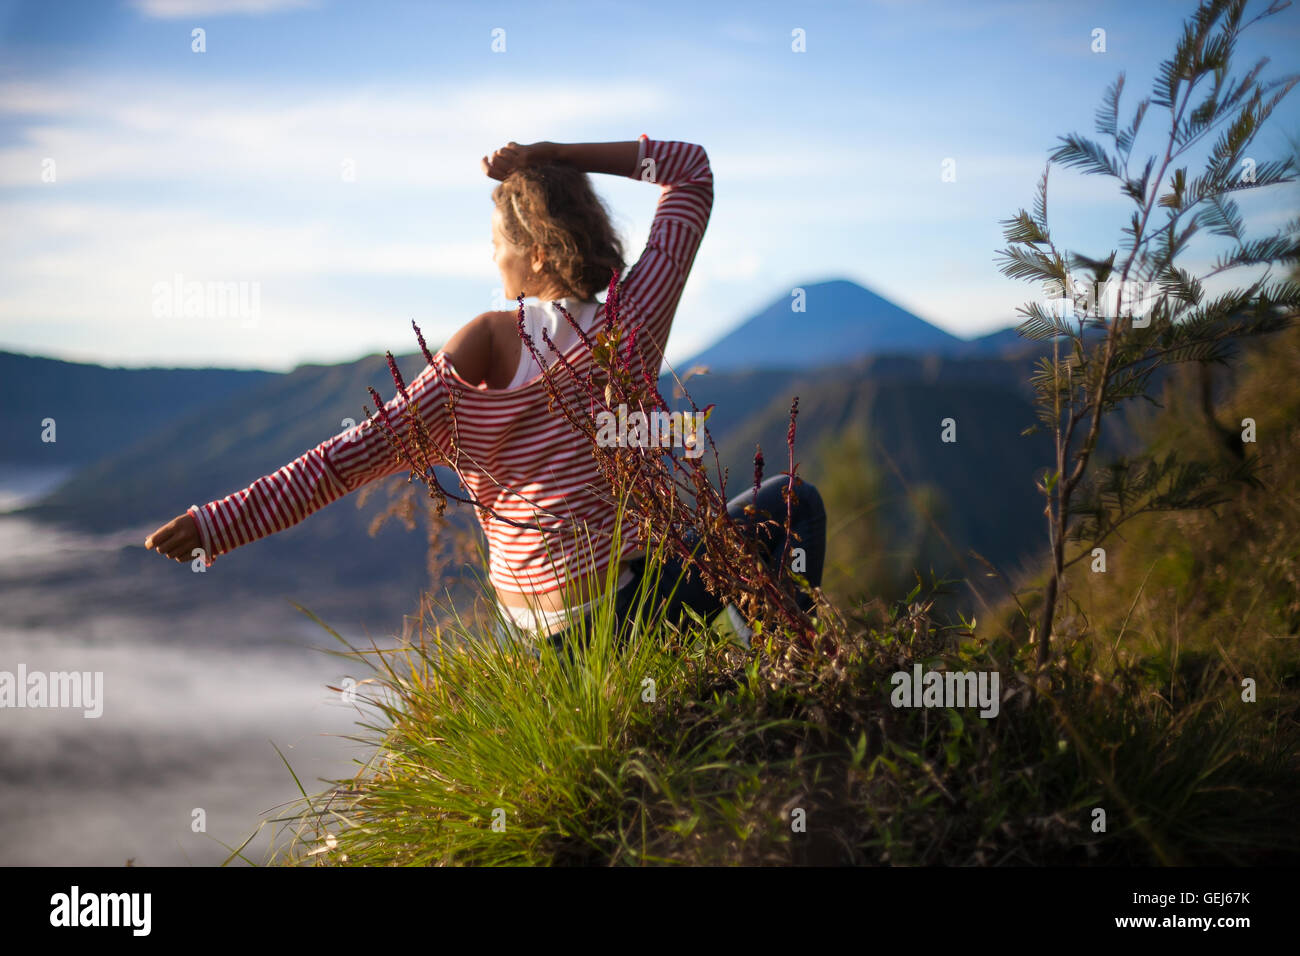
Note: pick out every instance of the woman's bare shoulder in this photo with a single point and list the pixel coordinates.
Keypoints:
(479, 350)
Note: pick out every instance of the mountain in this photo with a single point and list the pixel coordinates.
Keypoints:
(98, 410)
(841, 321)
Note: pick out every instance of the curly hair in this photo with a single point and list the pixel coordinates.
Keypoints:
(554, 206)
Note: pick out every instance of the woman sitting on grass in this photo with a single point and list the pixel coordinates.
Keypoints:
(531, 469)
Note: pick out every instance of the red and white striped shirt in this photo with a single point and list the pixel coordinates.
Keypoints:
(523, 461)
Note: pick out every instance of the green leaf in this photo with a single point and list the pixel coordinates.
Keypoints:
(1086, 154)
(1031, 264)
(1174, 198)
(911, 595)
(1222, 217)
(1041, 324)
(1108, 112)
(1124, 141)
(859, 750)
(1023, 229)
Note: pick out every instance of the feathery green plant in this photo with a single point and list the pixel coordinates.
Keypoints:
(1143, 309)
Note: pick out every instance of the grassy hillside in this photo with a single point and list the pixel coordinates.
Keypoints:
(1135, 747)
(482, 756)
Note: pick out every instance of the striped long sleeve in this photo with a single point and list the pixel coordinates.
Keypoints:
(322, 475)
(653, 286)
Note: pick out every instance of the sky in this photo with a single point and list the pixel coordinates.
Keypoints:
(320, 158)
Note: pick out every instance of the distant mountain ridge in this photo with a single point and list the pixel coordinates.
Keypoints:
(101, 410)
(98, 410)
(840, 321)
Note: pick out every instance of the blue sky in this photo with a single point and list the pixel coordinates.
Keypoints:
(227, 165)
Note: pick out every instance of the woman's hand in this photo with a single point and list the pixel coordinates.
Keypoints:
(177, 539)
(512, 156)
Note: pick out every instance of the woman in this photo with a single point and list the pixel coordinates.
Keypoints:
(535, 474)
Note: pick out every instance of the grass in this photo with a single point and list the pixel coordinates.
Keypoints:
(486, 755)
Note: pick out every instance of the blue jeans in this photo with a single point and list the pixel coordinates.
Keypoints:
(807, 522)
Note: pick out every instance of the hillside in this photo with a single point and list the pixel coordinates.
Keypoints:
(982, 505)
(211, 451)
(980, 485)
(99, 410)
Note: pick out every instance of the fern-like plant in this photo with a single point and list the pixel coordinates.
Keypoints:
(1141, 308)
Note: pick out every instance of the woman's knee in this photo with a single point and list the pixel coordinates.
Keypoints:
(770, 497)
(809, 501)
(806, 508)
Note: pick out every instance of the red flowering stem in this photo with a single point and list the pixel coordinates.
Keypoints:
(789, 488)
(424, 349)
(397, 378)
(560, 359)
(611, 297)
(575, 326)
(586, 380)
(388, 423)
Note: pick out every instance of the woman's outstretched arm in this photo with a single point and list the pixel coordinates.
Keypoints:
(334, 468)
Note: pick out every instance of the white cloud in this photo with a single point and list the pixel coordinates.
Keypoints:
(61, 240)
(140, 130)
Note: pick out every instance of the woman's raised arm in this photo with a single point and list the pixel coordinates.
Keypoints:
(616, 159)
(654, 284)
